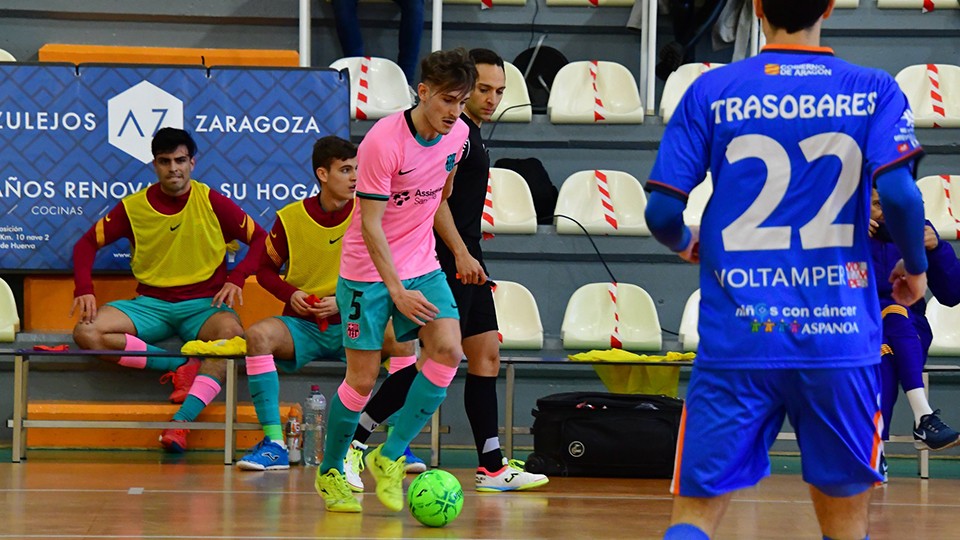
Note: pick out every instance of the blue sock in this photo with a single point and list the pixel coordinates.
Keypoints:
(341, 424)
(685, 531)
(424, 397)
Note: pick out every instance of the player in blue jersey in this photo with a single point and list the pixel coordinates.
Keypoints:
(789, 320)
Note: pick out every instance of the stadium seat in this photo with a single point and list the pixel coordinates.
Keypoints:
(593, 321)
(512, 210)
(9, 319)
(575, 99)
(591, 3)
(386, 88)
(580, 198)
(517, 316)
(689, 335)
(847, 4)
(697, 202)
(917, 4)
(677, 84)
(515, 106)
(945, 324)
(933, 91)
(6, 57)
(936, 207)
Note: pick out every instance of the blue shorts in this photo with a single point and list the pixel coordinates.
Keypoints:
(309, 343)
(157, 320)
(731, 419)
(365, 307)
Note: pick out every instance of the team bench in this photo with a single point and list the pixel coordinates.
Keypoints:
(23, 358)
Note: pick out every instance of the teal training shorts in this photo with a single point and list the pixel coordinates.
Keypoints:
(310, 344)
(365, 308)
(157, 320)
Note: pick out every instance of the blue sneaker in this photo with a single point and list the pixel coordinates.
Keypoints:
(414, 464)
(933, 434)
(265, 456)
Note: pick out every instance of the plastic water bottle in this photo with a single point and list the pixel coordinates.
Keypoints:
(314, 409)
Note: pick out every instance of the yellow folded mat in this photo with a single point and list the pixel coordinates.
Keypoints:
(633, 379)
(235, 346)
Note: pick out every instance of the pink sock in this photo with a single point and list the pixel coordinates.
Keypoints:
(438, 373)
(350, 398)
(134, 344)
(399, 362)
(205, 389)
(257, 365)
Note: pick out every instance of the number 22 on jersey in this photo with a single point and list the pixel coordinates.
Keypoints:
(746, 233)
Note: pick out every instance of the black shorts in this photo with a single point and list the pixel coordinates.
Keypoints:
(475, 302)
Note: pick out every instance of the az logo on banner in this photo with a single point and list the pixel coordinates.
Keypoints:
(133, 116)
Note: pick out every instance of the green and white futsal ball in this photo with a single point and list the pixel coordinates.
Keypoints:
(435, 498)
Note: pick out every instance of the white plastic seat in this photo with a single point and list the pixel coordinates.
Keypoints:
(580, 198)
(387, 90)
(936, 207)
(697, 202)
(518, 317)
(6, 57)
(9, 319)
(515, 105)
(929, 111)
(677, 84)
(915, 4)
(846, 4)
(589, 321)
(945, 325)
(572, 98)
(689, 334)
(512, 211)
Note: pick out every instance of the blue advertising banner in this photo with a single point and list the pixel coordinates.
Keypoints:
(74, 141)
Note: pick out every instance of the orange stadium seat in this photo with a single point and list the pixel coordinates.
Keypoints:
(79, 54)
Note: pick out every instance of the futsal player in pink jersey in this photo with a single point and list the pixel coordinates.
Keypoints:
(389, 268)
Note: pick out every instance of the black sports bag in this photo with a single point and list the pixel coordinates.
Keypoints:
(601, 434)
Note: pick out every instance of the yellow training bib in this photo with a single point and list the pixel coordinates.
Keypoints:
(314, 263)
(181, 249)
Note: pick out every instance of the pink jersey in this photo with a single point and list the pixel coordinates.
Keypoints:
(397, 166)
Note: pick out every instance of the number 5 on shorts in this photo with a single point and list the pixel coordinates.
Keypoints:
(355, 306)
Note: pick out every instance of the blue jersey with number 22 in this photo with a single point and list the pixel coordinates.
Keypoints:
(793, 139)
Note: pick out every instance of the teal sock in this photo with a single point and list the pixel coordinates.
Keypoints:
(424, 397)
(341, 425)
(265, 393)
(162, 363)
(193, 405)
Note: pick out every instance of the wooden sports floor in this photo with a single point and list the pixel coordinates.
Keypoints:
(57, 498)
